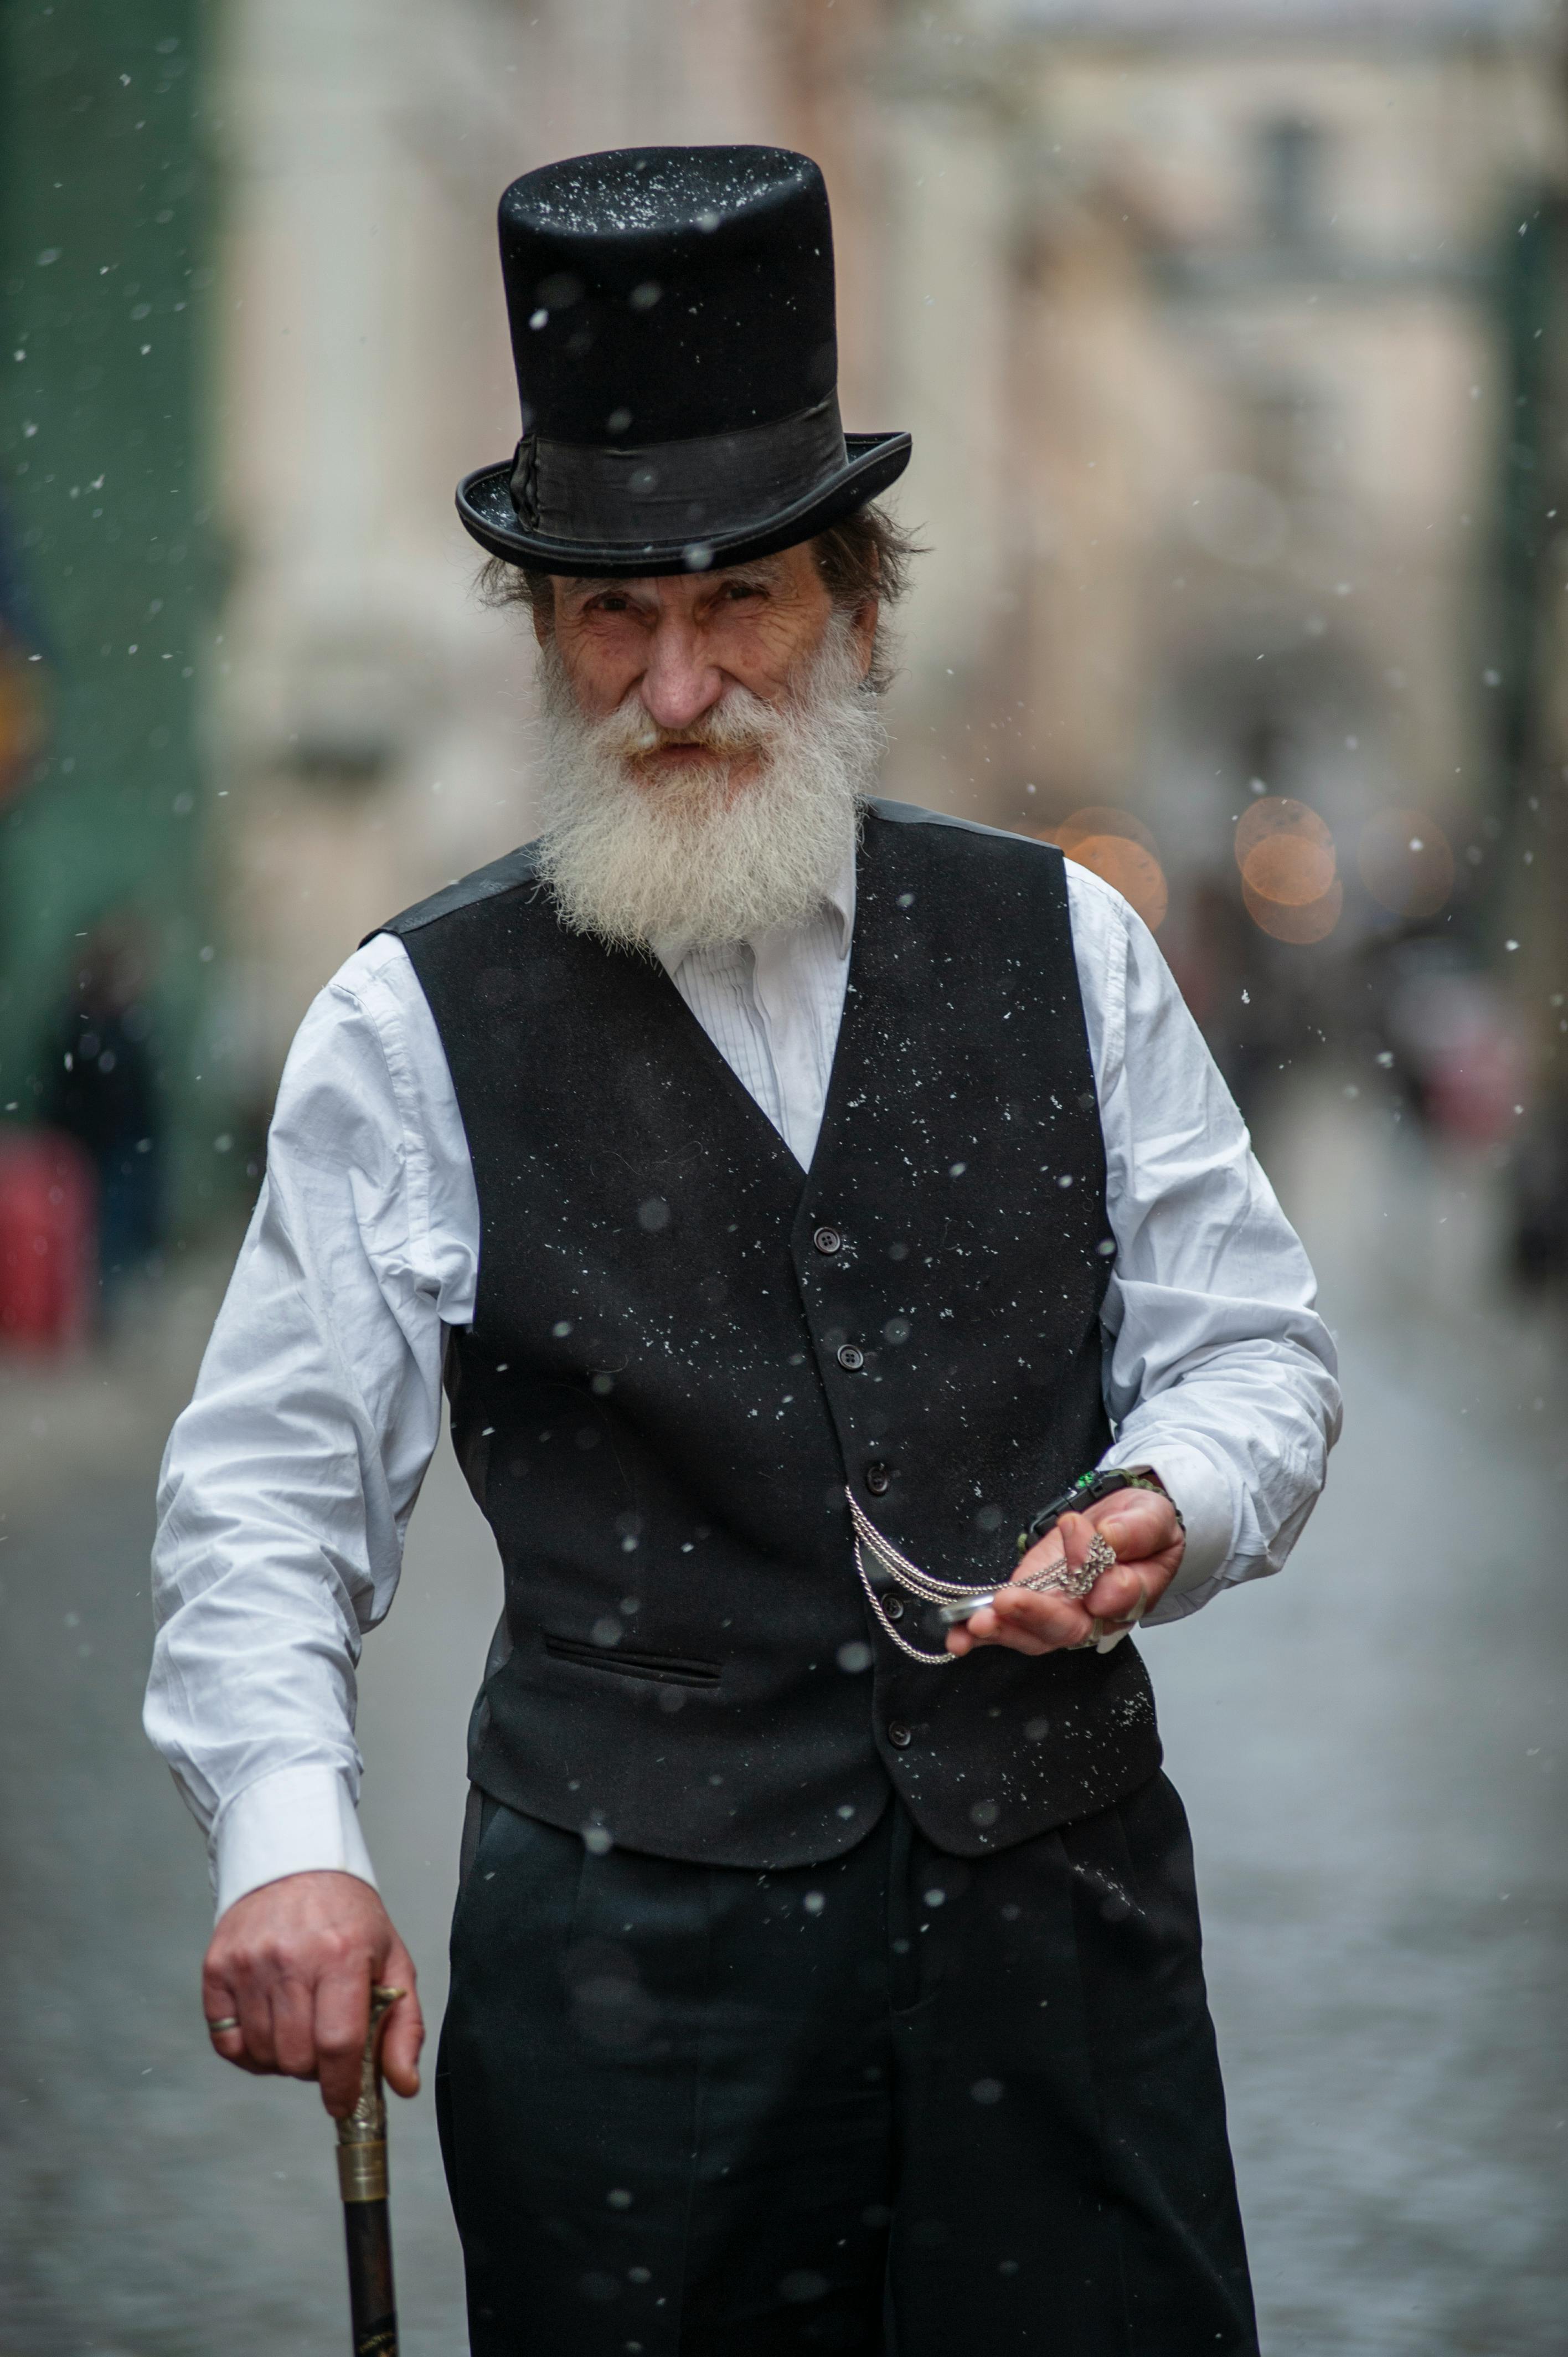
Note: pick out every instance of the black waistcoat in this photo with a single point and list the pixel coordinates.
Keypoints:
(682, 1347)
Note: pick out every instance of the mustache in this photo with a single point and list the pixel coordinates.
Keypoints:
(739, 722)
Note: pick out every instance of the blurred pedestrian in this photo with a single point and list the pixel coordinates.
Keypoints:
(788, 1184)
(100, 1088)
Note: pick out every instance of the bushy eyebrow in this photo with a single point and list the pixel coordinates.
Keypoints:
(759, 575)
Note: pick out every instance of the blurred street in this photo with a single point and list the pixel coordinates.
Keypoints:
(1368, 1749)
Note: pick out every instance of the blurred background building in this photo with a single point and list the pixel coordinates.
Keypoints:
(1197, 315)
(1233, 337)
(1228, 335)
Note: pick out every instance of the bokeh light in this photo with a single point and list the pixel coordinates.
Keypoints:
(1116, 845)
(1290, 882)
(1103, 818)
(1406, 862)
(1289, 867)
(1300, 922)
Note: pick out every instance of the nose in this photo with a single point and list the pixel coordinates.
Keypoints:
(679, 683)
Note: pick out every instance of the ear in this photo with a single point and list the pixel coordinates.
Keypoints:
(862, 630)
(543, 616)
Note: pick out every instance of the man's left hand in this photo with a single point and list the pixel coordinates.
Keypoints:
(1140, 1524)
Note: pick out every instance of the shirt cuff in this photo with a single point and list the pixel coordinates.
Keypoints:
(1201, 1496)
(296, 1821)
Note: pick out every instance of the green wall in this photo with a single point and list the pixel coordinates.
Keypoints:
(105, 292)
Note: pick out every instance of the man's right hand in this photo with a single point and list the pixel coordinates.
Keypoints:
(295, 1960)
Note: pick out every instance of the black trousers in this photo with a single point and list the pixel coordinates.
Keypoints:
(902, 2103)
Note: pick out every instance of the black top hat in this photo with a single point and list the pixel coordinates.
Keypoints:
(672, 316)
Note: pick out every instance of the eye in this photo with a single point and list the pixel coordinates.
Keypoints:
(608, 602)
(735, 592)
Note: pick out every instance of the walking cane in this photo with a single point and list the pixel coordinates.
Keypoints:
(362, 2181)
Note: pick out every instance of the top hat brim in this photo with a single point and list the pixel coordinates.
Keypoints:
(872, 462)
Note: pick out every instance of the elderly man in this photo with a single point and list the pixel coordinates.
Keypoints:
(799, 1194)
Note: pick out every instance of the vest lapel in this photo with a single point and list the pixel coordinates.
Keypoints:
(689, 1046)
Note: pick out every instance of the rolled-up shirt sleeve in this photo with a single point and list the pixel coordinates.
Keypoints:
(1218, 1371)
(288, 1482)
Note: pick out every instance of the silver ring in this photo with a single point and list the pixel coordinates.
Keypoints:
(221, 2028)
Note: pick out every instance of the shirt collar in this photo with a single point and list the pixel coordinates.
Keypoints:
(674, 949)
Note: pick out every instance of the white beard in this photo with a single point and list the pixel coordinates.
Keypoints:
(694, 854)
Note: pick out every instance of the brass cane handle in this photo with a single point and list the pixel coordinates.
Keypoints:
(362, 2136)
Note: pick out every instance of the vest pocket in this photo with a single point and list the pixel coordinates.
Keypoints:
(667, 1669)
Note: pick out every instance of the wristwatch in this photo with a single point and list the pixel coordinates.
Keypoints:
(1088, 1491)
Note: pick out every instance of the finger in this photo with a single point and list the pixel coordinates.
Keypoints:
(240, 2058)
(1077, 1532)
(1033, 1623)
(259, 2052)
(1137, 1523)
(1155, 1572)
(293, 2028)
(229, 2045)
(979, 1628)
(404, 2033)
(224, 2003)
(220, 2003)
(341, 2025)
(1121, 1594)
(1048, 1620)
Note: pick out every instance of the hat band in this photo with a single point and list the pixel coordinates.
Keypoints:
(695, 491)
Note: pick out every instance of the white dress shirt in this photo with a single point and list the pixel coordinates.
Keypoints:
(288, 1482)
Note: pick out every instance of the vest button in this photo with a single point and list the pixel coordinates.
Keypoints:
(828, 1240)
(899, 1737)
(877, 1478)
(894, 1607)
(852, 1357)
